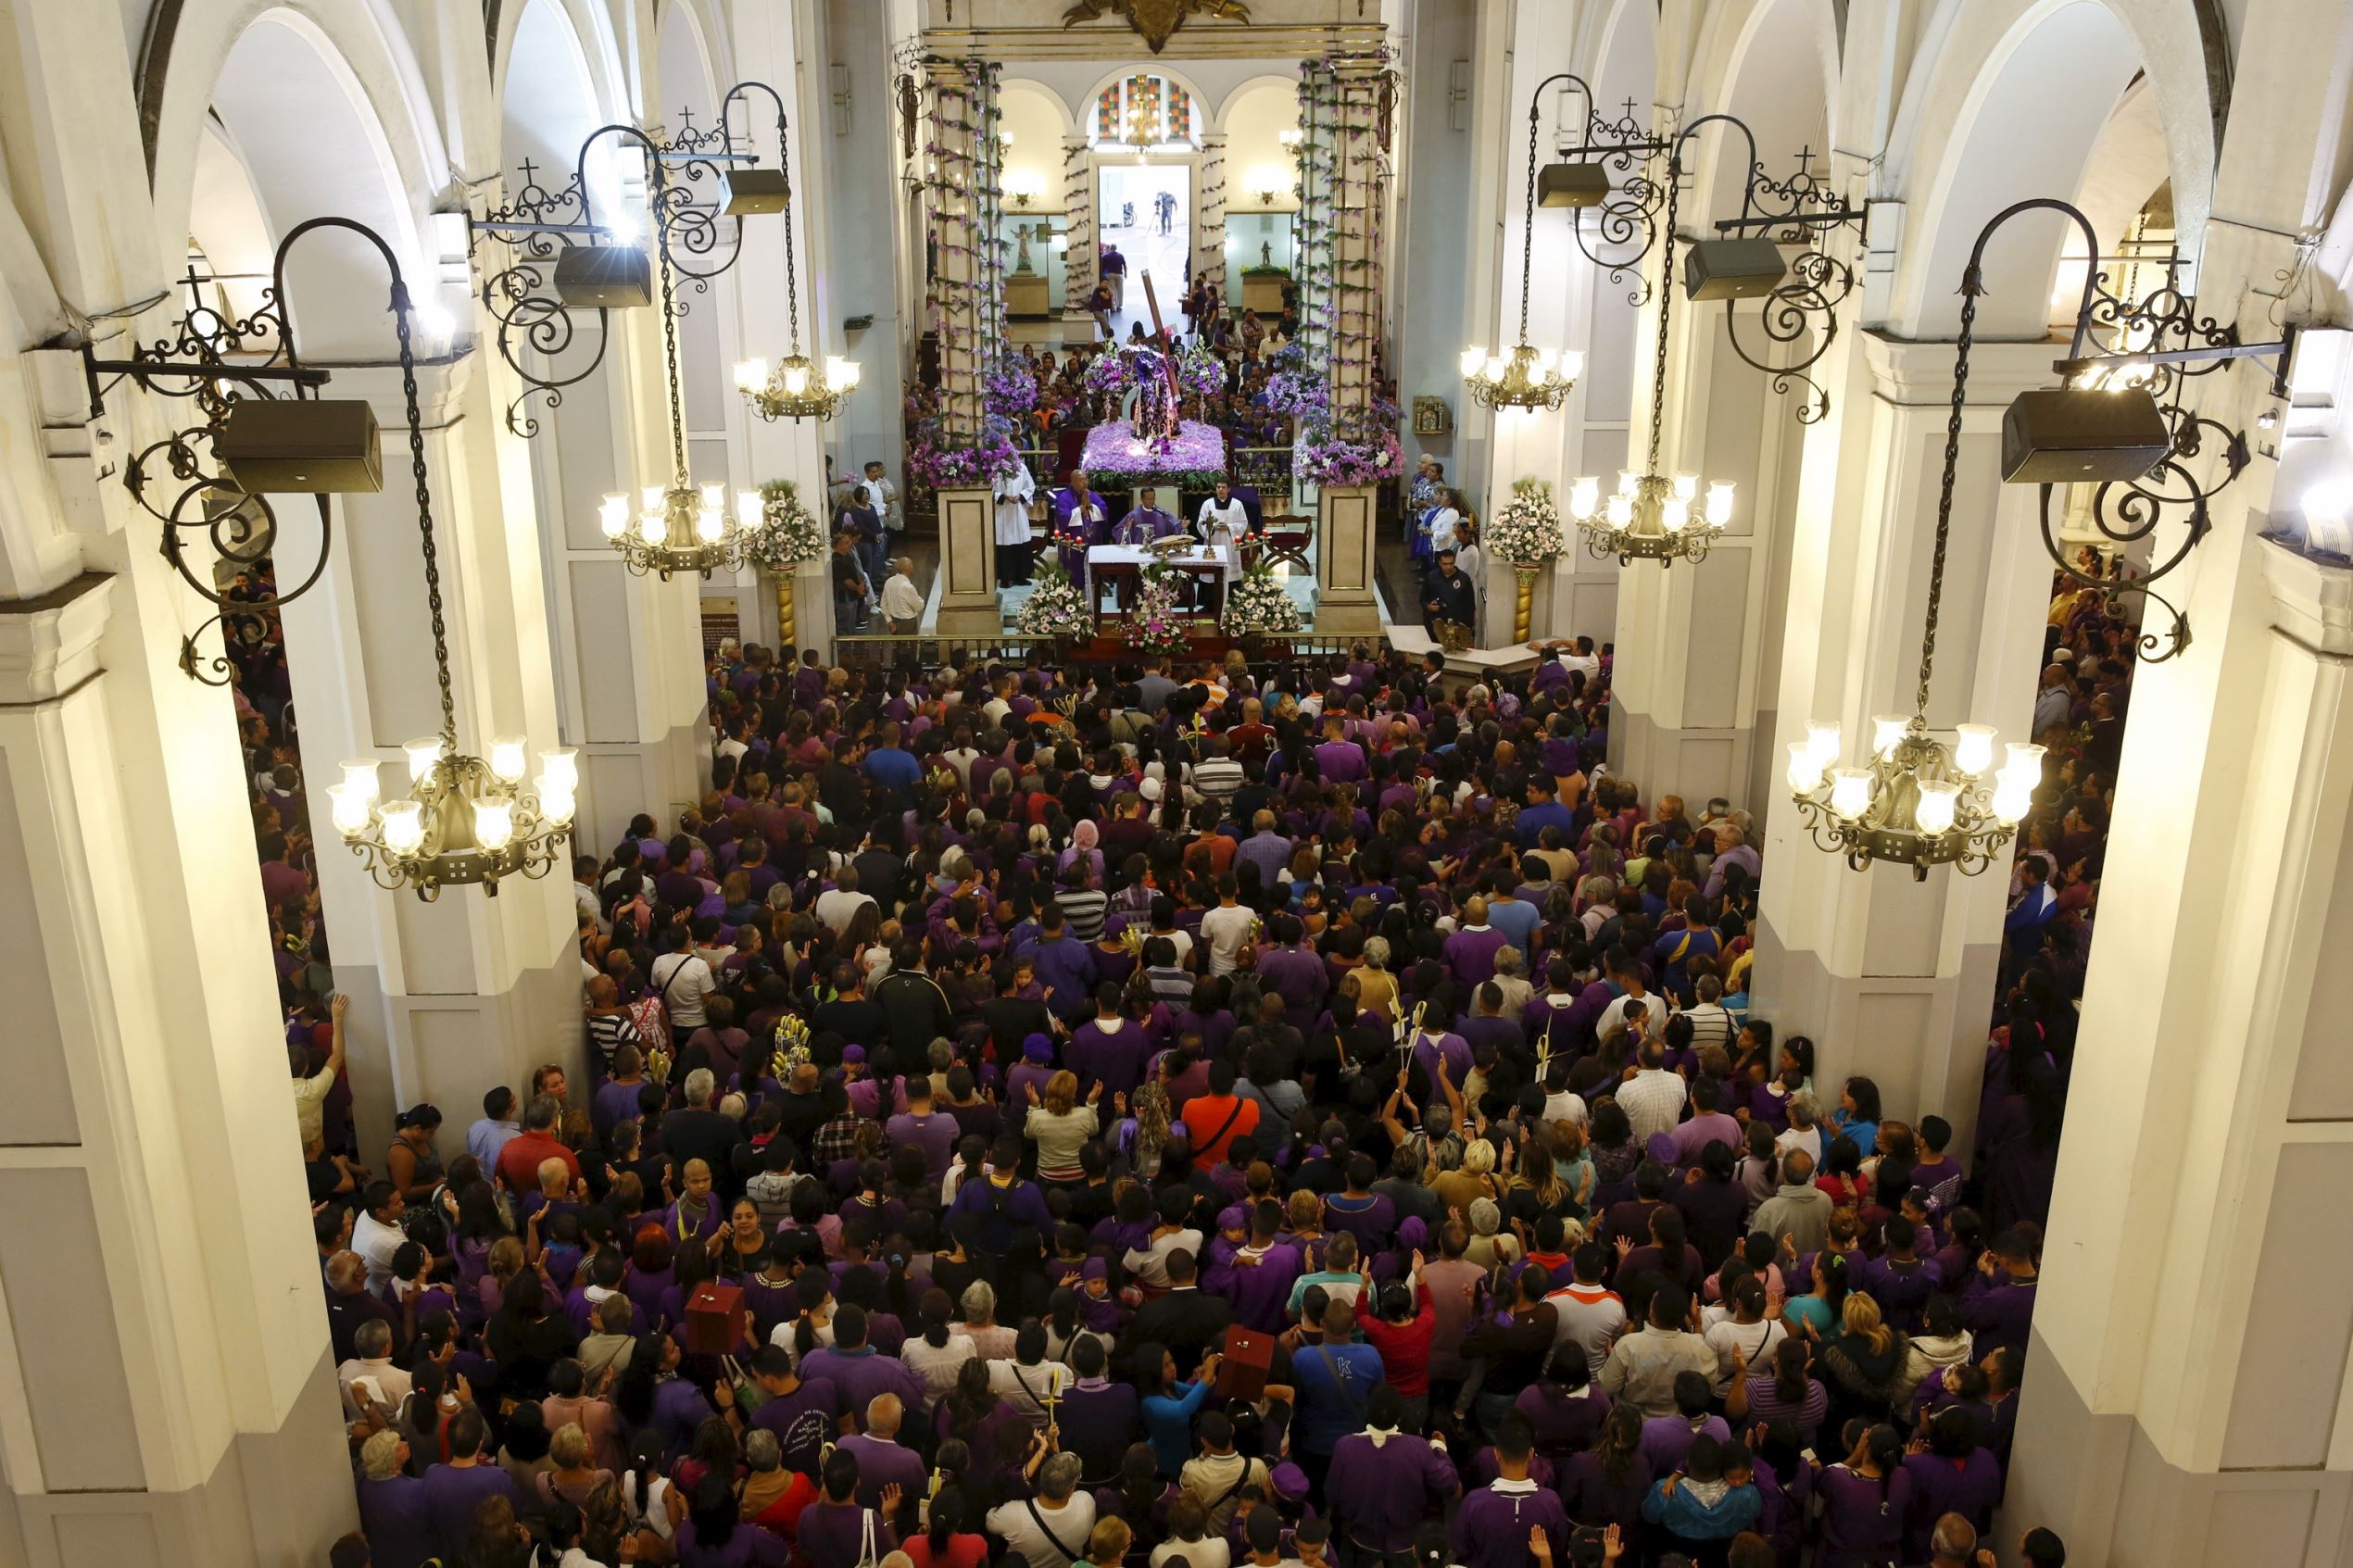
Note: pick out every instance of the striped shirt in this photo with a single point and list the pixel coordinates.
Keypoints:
(1217, 778)
(1083, 910)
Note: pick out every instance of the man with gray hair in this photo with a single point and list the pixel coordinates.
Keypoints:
(1798, 1212)
(700, 1133)
(1953, 1544)
(392, 1503)
(1051, 1529)
(519, 1158)
(370, 1381)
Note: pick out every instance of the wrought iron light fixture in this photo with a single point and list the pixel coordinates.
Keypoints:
(264, 430)
(464, 819)
(1652, 516)
(565, 258)
(798, 388)
(1529, 377)
(679, 526)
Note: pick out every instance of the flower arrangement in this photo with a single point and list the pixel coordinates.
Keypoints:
(1194, 459)
(1156, 629)
(1259, 605)
(1116, 372)
(1527, 529)
(1010, 389)
(1292, 387)
(1356, 452)
(788, 533)
(929, 462)
(1056, 607)
(1200, 373)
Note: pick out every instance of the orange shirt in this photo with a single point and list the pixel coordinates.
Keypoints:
(1215, 1120)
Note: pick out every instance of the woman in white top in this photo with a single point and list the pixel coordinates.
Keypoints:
(1059, 1126)
(937, 1354)
(1444, 523)
(989, 1342)
(1745, 1330)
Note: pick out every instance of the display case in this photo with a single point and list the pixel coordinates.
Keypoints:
(1258, 250)
(1036, 243)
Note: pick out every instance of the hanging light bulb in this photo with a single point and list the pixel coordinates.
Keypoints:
(422, 755)
(506, 760)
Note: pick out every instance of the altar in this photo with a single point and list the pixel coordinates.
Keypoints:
(1121, 568)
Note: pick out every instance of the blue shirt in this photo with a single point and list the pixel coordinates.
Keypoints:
(1515, 917)
(893, 769)
(486, 1138)
(1330, 1407)
(1168, 1423)
(1533, 819)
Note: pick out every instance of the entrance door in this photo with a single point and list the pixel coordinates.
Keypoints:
(1144, 212)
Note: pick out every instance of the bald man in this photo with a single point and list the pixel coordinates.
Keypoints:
(883, 1461)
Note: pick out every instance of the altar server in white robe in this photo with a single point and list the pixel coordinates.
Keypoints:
(1014, 489)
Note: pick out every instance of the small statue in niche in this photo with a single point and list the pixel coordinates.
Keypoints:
(1266, 254)
(1021, 263)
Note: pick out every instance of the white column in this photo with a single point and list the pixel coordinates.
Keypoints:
(1211, 180)
(167, 1393)
(1891, 977)
(1346, 528)
(967, 538)
(1080, 255)
(452, 998)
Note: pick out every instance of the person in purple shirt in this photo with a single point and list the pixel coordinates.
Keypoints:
(803, 1412)
(1265, 849)
(1950, 1474)
(1065, 967)
(1900, 1282)
(860, 1372)
(712, 1537)
(1864, 1503)
(1109, 1048)
(1470, 951)
(1257, 1280)
(882, 1461)
(1294, 972)
(451, 1492)
(1997, 1310)
(1002, 1206)
(393, 1512)
(1492, 1527)
(1339, 759)
(1386, 1480)
(1099, 1419)
(920, 1127)
(835, 1531)
(1667, 1439)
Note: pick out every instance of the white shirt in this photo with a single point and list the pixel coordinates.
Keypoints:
(835, 907)
(1442, 530)
(1073, 1522)
(885, 497)
(1613, 1017)
(1026, 1387)
(1653, 1101)
(1225, 930)
(902, 600)
(376, 1242)
(1015, 489)
(681, 981)
(1591, 663)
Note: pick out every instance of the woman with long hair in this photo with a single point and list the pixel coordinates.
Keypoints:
(1864, 1499)
(1603, 1484)
(1861, 1366)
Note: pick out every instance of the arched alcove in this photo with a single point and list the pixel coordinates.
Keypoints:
(2010, 101)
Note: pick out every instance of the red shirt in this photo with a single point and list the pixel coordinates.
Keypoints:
(519, 1161)
(1404, 1348)
(1204, 1117)
(963, 1551)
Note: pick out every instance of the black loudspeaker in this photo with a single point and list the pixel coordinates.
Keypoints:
(319, 446)
(2064, 435)
(1732, 269)
(609, 277)
(745, 191)
(1572, 184)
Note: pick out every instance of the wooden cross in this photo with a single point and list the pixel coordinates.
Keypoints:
(1053, 1397)
(1167, 352)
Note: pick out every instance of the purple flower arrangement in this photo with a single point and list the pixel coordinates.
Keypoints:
(930, 462)
(1367, 454)
(1010, 389)
(1194, 458)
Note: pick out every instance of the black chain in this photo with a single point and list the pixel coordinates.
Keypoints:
(1666, 302)
(1972, 285)
(424, 513)
(1528, 228)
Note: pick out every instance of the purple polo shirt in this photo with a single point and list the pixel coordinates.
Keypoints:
(1341, 762)
(933, 1132)
(1491, 1530)
(451, 1495)
(1114, 1058)
(1258, 1292)
(882, 1462)
(1470, 953)
(398, 1521)
(863, 1373)
(1378, 1496)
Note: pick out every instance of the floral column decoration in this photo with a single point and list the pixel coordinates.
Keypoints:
(1079, 204)
(1526, 532)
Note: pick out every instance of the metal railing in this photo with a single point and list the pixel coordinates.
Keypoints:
(908, 650)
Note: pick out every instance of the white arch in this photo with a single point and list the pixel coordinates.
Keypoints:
(1030, 87)
(1084, 110)
(1751, 57)
(594, 47)
(551, 104)
(359, 50)
(2005, 100)
(1267, 80)
(709, 58)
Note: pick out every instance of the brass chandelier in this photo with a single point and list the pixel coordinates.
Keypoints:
(1528, 377)
(797, 388)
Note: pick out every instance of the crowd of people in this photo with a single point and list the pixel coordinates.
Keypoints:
(1298, 1114)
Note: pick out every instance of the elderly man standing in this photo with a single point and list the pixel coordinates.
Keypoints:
(1642, 1366)
(902, 602)
(1051, 1529)
(1732, 849)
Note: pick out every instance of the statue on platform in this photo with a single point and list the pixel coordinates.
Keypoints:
(1024, 232)
(1266, 254)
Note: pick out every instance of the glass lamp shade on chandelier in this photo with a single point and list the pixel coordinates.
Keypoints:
(1652, 516)
(1915, 800)
(797, 388)
(1526, 376)
(464, 819)
(679, 526)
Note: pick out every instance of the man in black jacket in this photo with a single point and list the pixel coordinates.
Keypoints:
(914, 1009)
(700, 1133)
(1188, 1320)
